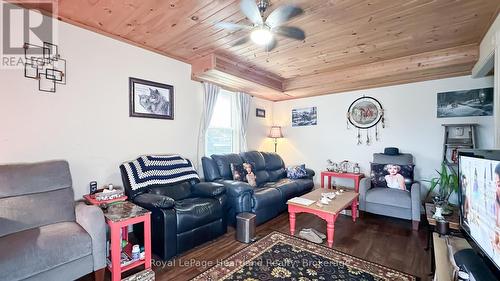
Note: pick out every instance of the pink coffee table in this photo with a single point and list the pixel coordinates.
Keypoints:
(328, 212)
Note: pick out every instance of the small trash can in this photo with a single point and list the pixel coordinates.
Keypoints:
(245, 227)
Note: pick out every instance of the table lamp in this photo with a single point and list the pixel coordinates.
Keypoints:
(276, 134)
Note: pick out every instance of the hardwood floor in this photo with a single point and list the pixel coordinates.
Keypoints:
(386, 241)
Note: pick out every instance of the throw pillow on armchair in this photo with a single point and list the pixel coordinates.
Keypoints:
(392, 176)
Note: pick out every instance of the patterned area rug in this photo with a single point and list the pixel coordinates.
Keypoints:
(282, 257)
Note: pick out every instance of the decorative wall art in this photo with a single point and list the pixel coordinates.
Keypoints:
(477, 102)
(259, 112)
(304, 117)
(150, 99)
(365, 113)
(44, 63)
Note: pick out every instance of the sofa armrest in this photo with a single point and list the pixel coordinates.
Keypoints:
(415, 201)
(364, 185)
(91, 219)
(310, 173)
(208, 189)
(152, 201)
(239, 195)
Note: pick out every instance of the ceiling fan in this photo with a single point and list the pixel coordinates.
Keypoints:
(263, 31)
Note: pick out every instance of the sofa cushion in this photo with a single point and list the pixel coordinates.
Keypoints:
(275, 175)
(273, 161)
(36, 250)
(23, 179)
(265, 197)
(195, 212)
(224, 164)
(262, 177)
(46, 183)
(255, 158)
(288, 188)
(210, 169)
(389, 196)
(305, 185)
(17, 212)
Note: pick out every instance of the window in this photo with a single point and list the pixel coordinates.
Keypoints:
(221, 135)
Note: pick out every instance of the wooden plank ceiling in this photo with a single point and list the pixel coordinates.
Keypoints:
(350, 44)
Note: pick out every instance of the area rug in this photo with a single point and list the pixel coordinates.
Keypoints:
(282, 257)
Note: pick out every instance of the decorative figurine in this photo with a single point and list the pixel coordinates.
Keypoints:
(356, 169)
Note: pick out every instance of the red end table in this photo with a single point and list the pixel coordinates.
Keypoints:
(354, 176)
(119, 216)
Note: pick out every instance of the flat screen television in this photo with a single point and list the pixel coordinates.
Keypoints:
(479, 199)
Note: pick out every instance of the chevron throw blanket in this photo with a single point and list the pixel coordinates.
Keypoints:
(159, 169)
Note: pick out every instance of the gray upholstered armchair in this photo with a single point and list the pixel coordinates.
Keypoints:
(388, 201)
(43, 235)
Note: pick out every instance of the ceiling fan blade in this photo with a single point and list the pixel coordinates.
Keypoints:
(232, 26)
(283, 14)
(241, 41)
(251, 11)
(269, 47)
(290, 32)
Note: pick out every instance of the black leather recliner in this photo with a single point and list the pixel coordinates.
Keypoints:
(183, 216)
(273, 190)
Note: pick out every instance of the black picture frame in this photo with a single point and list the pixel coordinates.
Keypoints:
(465, 103)
(158, 104)
(261, 113)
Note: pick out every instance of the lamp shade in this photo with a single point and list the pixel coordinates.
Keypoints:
(275, 132)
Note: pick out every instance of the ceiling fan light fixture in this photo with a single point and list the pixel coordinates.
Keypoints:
(261, 36)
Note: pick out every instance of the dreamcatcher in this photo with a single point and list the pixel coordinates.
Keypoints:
(365, 113)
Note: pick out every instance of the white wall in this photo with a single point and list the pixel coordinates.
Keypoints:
(259, 127)
(411, 125)
(87, 121)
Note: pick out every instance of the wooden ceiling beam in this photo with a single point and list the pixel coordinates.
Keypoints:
(236, 76)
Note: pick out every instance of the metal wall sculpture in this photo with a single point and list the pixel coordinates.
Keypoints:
(45, 64)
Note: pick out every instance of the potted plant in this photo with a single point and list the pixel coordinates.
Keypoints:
(447, 183)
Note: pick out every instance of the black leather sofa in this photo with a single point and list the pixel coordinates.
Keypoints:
(268, 199)
(184, 215)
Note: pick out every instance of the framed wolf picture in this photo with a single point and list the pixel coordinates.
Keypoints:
(150, 99)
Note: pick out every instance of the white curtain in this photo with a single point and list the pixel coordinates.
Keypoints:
(210, 94)
(242, 113)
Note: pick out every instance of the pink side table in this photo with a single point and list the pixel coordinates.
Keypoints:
(119, 216)
(354, 176)
(329, 212)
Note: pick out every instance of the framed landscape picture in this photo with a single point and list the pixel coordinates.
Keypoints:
(150, 99)
(304, 116)
(476, 102)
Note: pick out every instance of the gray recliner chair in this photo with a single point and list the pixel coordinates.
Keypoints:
(43, 234)
(388, 201)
